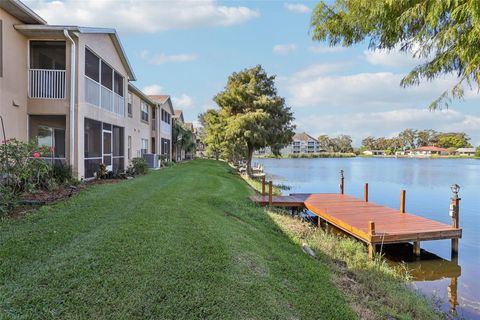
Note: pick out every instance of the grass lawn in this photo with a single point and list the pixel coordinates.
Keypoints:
(179, 243)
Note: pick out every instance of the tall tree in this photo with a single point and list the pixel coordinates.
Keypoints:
(426, 137)
(342, 143)
(213, 133)
(444, 33)
(325, 142)
(453, 140)
(408, 138)
(254, 113)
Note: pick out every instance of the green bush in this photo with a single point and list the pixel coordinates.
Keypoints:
(62, 173)
(8, 200)
(138, 166)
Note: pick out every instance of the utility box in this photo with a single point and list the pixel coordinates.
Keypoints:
(152, 160)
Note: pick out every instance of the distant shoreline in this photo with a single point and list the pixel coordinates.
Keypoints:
(353, 155)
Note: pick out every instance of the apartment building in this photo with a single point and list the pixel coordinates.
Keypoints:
(165, 114)
(301, 143)
(69, 87)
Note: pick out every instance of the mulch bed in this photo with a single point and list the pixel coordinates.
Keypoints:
(44, 197)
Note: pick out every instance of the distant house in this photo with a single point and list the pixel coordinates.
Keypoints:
(428, 151)
(466, 151)
(374, 152)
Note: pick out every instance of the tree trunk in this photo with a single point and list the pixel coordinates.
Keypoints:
(249, 160)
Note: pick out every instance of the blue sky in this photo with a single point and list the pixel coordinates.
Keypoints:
(187, 49)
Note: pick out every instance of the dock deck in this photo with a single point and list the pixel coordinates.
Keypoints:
(369, 222)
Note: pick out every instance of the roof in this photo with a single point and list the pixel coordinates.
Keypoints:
(139, 93)
(159, 98)
(36, 30)
(431, 148)
(20, 11)
(303, 137)
(466, 150)
(178, 114)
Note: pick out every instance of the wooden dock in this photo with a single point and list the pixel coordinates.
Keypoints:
(369, 222)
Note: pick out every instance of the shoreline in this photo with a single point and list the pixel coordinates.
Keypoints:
(348, 155)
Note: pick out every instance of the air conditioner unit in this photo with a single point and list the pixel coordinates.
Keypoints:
(152, 160)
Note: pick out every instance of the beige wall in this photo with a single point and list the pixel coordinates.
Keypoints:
(138, 129)
(13, 83)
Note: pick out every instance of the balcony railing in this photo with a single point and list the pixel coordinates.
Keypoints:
(104, 98)
(46, 84)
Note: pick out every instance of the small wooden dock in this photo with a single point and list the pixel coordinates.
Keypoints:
(369, 222)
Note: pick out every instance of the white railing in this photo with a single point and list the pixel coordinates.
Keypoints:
(102, 97)
(46, 84)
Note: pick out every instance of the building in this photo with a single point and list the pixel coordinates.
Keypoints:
(374, 152)
(69, 87)
(428, 151)
(302, 143)
(165, 114)
(178, 153)
(466, 152)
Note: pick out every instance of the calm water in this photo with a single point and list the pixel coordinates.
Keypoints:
(456, 283)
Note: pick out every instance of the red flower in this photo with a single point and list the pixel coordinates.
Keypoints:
(36, 155)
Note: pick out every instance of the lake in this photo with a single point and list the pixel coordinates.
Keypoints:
(455, 283)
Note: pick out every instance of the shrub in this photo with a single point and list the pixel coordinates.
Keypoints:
(138, 166)
(62, 173)
(8, 200)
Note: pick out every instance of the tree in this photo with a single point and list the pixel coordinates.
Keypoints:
(325, 142)
(453, 140)
(426, 137)
(342, 143)
(213, 135)
(477, 153)
(408, 138)
(444, 33)
(369, 143)
(253, 112)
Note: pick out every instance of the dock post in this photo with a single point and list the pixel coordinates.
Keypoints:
(371, 245)
(454, 213)
(365, 192)
(270, 193)
(402, 201)
(263, 185)
(342, 182)
(416, 248)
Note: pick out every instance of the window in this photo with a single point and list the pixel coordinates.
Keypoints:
(118, 84)
(144, 149)
(49, 131)
(129, 104)
(92, 63)
(48, 55)
(143, 111)
(106, 75)
(129, 147)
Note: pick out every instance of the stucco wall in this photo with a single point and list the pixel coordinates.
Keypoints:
(13, 83)
(138, 129)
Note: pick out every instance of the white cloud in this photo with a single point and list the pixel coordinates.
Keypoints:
(162, 58)
(394, 57)
(316, 86)
(143, 15)
(390, 123)
(297, 8)
(152, 89)
(322, 49)
(284, 48)
(184, 101)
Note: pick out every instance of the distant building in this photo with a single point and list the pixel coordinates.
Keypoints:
(428, 151)
(374, 152)
(301, 143)
(466, 151)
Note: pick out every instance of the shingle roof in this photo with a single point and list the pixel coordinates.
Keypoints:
(431, 148)
(178, 113)
(303, 137)
(159, 98)
(189, 126)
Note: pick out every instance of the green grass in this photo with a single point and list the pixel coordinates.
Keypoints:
(180, 243)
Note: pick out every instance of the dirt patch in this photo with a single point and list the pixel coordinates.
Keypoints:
(52, 196)
(252, 265)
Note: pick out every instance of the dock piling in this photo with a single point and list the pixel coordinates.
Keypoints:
(454, 214)
(263, 185)
(416, 248)
(371, 246)
(270, 193)
(402, 201)
(342, 182)
(365, 192)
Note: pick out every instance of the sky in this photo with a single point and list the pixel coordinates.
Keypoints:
(187, 49)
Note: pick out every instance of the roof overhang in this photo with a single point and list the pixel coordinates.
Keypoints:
(139, 93)
(57, 31)
(20, 11)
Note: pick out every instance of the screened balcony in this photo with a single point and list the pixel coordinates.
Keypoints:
(47, 70)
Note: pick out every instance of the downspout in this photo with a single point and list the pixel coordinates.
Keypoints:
(72, 96)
